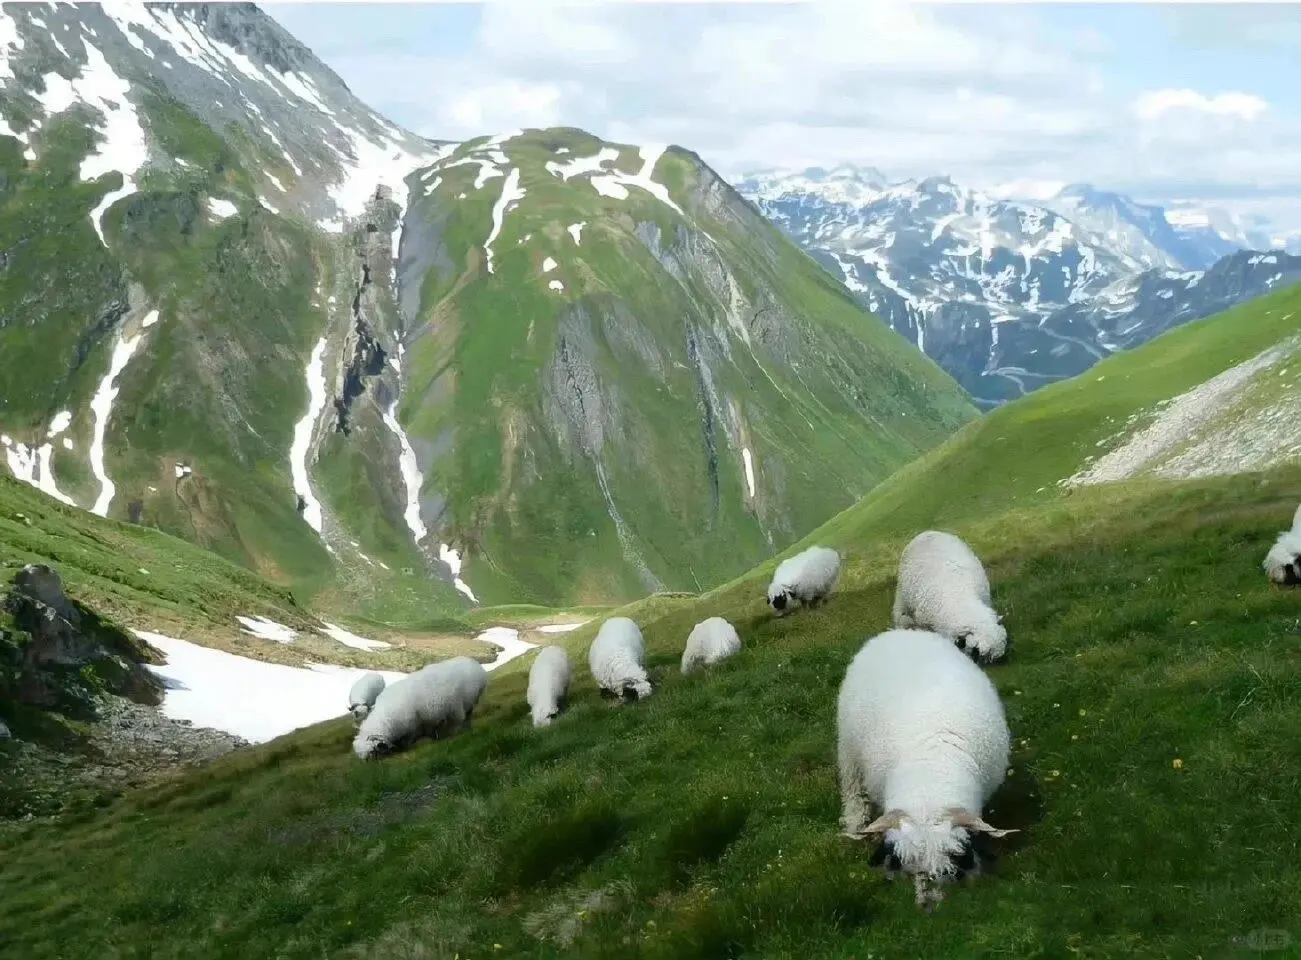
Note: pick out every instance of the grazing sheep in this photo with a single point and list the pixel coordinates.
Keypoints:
(943, 587)
(363, 694)
(807, 577)
(1283, 562)
(437, 699)
(710, 641)
(922, 738)
(617, 659)
(548, 692)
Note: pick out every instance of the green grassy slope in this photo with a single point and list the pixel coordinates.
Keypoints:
(148, 580)
(1017, 455)
(678, 340)
(703, 823)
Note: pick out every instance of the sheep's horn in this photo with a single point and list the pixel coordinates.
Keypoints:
(887, 821)
(963, 818)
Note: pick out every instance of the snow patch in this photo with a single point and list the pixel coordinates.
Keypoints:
(101, 406)
(581, 165)
(265, 629)
(34, 466)
(507, 640)
(412, 478)
(348, 639)
(557, 286)
(576, 231)
(511, 194)
(62, 420)
(453, 560)
(123, 147)
(548, 265)
(253, 699)
(221, 209)
(749, 469)
(303, 436)
(560, 627)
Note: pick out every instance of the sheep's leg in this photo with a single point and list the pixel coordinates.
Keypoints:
(856, 808)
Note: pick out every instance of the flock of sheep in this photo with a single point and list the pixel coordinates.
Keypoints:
(922, 735)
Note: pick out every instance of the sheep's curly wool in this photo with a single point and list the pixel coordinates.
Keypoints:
(548, 690)
(807, 577)
(617, 659)
(943, 587)
(1283, 562)
(363, 694)
(709, 642)
(922, 740)
(435, 700)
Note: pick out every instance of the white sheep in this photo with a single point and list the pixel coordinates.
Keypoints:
(1283, 562)
(807, 577)
(943, 587)
(548, 692)
(363, 694)
(710, 641)
(435, 700)
(922, 738)
(617, 659)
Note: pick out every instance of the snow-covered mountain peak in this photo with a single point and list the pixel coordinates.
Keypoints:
(1007, 294)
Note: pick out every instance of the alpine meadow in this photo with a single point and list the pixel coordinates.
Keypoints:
(312, 426)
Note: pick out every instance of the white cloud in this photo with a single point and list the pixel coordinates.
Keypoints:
(1154, 103)
(991, 95)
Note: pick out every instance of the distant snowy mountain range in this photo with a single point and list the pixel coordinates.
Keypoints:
(1010, 294)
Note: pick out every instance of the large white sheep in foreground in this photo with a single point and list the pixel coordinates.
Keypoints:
(710, 641)
(922, 742)
(436, 700)
(363, 694)
(943, 587)
(617, 659)
(1283, 562)
(807, 577)
(548, 691)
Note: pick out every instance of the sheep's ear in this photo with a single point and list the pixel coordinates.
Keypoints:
(962, 818)
(888, 821)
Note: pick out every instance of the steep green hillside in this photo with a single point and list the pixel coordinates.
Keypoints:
(186, 197)
(1218, 396)
(703, 823)
(623, 379)
(238, 306)
(1151, 688)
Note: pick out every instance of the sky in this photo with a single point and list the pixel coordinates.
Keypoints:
(1169, 103)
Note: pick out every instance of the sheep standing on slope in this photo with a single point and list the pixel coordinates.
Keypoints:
(943, 587)
(1283, 562)
(710, 641)
(363, 694)
(548, 692)
(617, 659)
(435, 700)
(806, 577)
(922, 736)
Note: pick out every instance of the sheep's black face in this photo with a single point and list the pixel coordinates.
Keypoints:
(1292, 572)
(967, 862)
(779, 601)
(884, 856)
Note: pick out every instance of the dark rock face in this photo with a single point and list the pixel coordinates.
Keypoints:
(60, 654)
